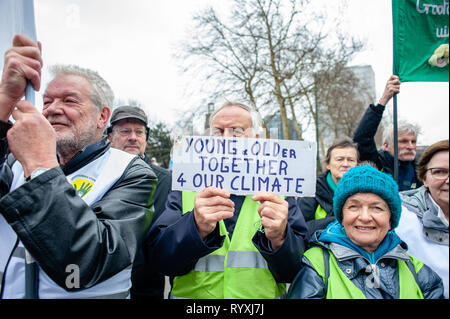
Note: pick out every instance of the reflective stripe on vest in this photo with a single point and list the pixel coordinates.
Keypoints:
(102, 173)
(236, 270)
(341, 287)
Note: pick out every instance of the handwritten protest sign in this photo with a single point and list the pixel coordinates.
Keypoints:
(244, 166)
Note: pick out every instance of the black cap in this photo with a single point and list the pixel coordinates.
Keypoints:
(128, 112)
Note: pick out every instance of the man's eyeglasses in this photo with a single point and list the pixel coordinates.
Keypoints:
(439, 173)
(234, 131)
(127, 131)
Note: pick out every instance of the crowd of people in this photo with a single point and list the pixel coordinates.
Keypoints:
(84, 213)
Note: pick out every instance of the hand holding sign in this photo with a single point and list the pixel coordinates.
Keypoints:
(211, 205)
(274, 214)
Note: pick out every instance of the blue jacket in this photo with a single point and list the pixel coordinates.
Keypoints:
(173, 244)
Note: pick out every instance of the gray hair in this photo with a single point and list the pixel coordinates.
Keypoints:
(255, 116)
(408, 128)
(101, 93)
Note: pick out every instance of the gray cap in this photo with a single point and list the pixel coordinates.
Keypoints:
(129, 112)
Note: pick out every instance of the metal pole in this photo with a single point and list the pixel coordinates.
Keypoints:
(395, 139)
(318, 169)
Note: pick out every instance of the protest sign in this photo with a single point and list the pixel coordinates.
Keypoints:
(421, 31)
(244, 166)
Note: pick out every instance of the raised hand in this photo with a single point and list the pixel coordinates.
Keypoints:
(22, 62)
(392, 87)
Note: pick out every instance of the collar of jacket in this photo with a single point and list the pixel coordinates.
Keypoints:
(86, 155)
(387, 166)
(390, 159)
(331, 183)
(419, 202)
(355, 262)
(343, 248)
(324, 193)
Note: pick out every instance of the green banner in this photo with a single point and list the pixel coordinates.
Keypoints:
(421, 29)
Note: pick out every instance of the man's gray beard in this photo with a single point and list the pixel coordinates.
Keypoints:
(68, 146)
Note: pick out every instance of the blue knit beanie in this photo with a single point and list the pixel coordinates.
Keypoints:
(366, 179)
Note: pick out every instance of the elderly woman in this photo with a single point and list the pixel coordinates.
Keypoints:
(424, 222)
(359, 255)
(340, 157)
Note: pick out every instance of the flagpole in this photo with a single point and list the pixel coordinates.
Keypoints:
(18, 18)
(29, 29)
(395, 139)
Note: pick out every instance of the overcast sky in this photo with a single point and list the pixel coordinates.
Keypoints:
(131, 44)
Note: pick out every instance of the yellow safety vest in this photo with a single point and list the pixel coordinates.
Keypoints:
(236, 270)
(341, 287)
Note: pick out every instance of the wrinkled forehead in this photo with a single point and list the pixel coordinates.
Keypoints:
(406, 134)
(68, 84)
(232, 116)
(366, 198)
(343, 151)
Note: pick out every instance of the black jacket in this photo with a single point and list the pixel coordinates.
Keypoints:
(58, 228)
(364, 136)
(324, 198)
(148, 283)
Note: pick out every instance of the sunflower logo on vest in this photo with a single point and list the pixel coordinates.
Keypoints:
(83, 184)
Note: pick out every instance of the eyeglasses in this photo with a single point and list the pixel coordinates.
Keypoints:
(235, 131)
(439, 173)
(127, 131)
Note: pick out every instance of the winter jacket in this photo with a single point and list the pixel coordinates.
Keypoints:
(376, 275)
(58, 228)
(174, 245)
(424, 232)
(364, 136)
(148, 284)
(309, 205)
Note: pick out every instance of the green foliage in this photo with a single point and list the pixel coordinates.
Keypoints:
(159, 144)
